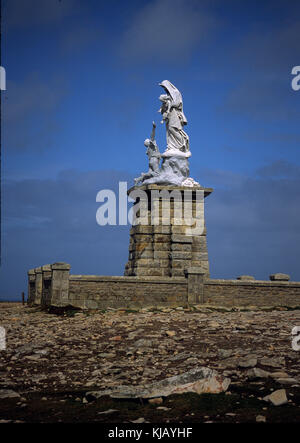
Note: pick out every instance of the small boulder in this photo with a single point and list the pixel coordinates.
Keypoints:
(279, 374)
(260, 419)
(275, 362)
(248, 362)
(213, 324)
(139, 420)
(108, 411)
(277, 398)
(8, 393)
(156, 401)
(256, 373)
(287, 381)
(225, 353)
(199, 380)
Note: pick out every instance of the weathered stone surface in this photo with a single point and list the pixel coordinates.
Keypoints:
(177, 272)
(277, 398)
(96, 351)
(60, 284)
(108, 411)
(201, 256)
(256, 373)
(181, 230)
(252, 293)
(181, 247)
(161, 229)
(248, 362)
(8, 393)
(260, 419)
(161, 254)
(179, 238)
(106, 291)
(38, 285)
(279, 277)
(225, 353)
(142, 229)
(279, 374)
(161, 247)
(176, 255)
(287, 381)
(245, 277)
(156, 401)
(200, 380)
(275, 362)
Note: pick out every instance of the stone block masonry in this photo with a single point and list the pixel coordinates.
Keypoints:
(167, 249)
(251, 293)
(59, 289)
(100, 292)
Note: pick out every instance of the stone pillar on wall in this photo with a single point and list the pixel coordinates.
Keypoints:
(31, 286)
(169, 247)
(60, 284)
(46, 291)
(195, 277)
(38, 286)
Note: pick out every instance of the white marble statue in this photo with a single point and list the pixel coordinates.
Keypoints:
(174, 168)
(172, 113)
(154, 157)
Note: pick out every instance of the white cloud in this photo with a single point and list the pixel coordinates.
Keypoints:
(166, 29)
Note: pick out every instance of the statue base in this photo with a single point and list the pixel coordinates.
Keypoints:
(168, 247)
(174, 170)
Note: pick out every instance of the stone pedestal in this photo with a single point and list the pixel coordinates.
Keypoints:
(168, 242)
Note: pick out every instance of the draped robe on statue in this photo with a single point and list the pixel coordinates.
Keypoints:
(172, 111)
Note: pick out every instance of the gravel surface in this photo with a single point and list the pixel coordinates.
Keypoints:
(53, 359)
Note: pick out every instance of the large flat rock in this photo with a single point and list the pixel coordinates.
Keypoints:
(200, 380)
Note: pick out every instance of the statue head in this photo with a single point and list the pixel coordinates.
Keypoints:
(164, 98)
(172, 93)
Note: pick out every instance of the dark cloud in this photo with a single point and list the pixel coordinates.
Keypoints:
(262, 99)
(263, 62)
(20, 13)
(30, 107)
(265, 135)
(252, 222)
(279, 169)
(55, 220)
(167, 30)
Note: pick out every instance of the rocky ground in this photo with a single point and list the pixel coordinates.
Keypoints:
(53, 360)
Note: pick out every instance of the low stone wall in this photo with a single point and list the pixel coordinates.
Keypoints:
(100, 292)
(255, 293)
(52, 285)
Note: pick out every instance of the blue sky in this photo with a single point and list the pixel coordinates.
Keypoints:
(82, 91)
